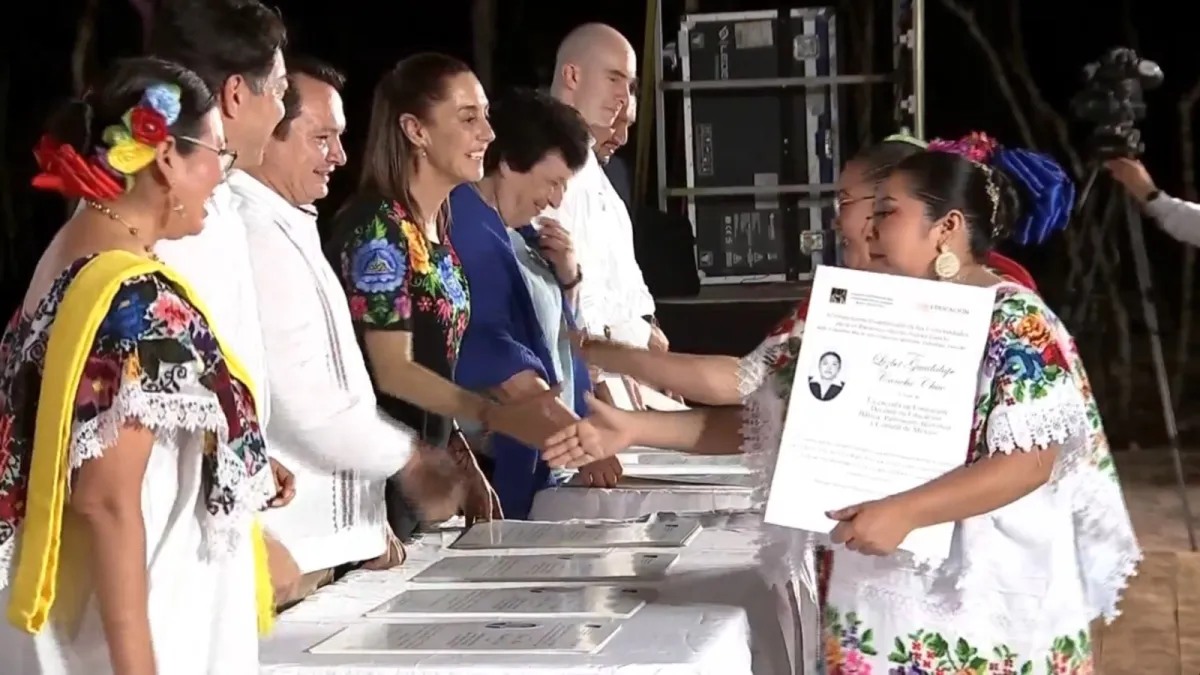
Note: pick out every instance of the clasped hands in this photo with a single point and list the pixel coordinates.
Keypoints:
(539, 421)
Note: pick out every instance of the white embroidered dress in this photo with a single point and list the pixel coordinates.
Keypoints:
(155, 361)
(325, 423)
(613, 298)
(1024, 581)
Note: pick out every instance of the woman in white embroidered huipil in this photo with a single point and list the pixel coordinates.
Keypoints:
(133, 462)
(1043, 543)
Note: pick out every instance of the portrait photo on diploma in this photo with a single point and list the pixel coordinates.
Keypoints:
(891, 376)
(826, 383)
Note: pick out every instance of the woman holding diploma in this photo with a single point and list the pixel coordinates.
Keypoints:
(714, 379)
(1043, 543)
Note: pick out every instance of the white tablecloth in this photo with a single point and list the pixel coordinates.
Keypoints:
(634, 498)
(644, 489)
(713, 616)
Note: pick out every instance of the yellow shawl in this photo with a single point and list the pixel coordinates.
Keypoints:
(83, 308)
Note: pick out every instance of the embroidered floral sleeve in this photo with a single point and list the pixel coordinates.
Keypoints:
(154, 360)
(1033, 400)
(376, 259)
(1035, 393)
(142, 366)
(774, 353)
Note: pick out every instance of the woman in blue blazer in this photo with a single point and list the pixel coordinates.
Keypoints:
(523, 279)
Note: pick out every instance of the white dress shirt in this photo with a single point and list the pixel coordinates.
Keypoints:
(613, 298)
(1178, 218)
(216, 263)
(325, 426)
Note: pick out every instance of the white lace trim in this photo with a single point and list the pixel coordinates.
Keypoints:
(8, 550)
(165, 413)
(1037, 423)
(1106, 546)
(1105, 543)
(753, 368)
(160, 412)
(751, 373)
(783, 555)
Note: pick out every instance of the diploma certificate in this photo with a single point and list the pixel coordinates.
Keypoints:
(490, 603)
(665, 531)
(573, 567)
(883, 397)
(492, 637)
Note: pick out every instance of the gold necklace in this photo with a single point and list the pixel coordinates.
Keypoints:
(120, 220)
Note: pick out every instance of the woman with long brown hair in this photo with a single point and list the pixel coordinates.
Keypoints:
(407, 292)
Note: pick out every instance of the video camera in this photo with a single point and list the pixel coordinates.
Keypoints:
(1112, 100)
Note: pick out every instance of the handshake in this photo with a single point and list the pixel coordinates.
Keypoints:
(442, 483)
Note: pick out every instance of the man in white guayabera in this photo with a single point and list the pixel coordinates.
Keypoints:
(325, 423)
(594, 73)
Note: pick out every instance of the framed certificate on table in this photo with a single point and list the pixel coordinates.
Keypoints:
(882, 399)
(659, 531)
(477, 637)
(617, 567)
(490, 603)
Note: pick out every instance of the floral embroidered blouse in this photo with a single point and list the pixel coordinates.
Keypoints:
(1024, 581)
(396, 279)
(154, 361)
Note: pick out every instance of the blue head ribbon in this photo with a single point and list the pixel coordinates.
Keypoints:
(1048, 193)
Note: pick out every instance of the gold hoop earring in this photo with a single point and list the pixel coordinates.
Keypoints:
(946, 265)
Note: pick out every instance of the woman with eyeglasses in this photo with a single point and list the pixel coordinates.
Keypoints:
(1043, 542)
(132, 463)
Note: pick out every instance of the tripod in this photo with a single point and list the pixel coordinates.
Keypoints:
(1141, 262)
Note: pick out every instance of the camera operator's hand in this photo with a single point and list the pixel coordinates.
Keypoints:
(1133, 175)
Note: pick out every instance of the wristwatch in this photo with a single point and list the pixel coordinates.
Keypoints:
(574, 282)
(1152, 195)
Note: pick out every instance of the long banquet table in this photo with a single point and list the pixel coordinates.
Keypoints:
(713, 615)
(653, 484)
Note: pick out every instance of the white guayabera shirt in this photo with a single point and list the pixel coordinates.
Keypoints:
(216, 262)
(613, 298)
(325, 425)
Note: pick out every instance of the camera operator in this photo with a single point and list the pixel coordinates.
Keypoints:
(1178, 218)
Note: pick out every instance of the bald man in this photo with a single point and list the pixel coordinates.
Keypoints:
(595, 74)
(608, 142)
(612, 138)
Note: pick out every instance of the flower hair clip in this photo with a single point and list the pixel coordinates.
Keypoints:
(130, 145)
(975, 146)
(1047, 191)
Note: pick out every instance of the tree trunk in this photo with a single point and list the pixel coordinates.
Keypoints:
(81, 54)
(483, 22)
(1187, 149)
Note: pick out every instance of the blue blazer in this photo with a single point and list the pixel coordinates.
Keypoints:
(504, 338)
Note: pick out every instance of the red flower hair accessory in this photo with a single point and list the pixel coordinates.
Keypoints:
(975, 146)
(127, 148)
(65, 171)
(148, 125)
